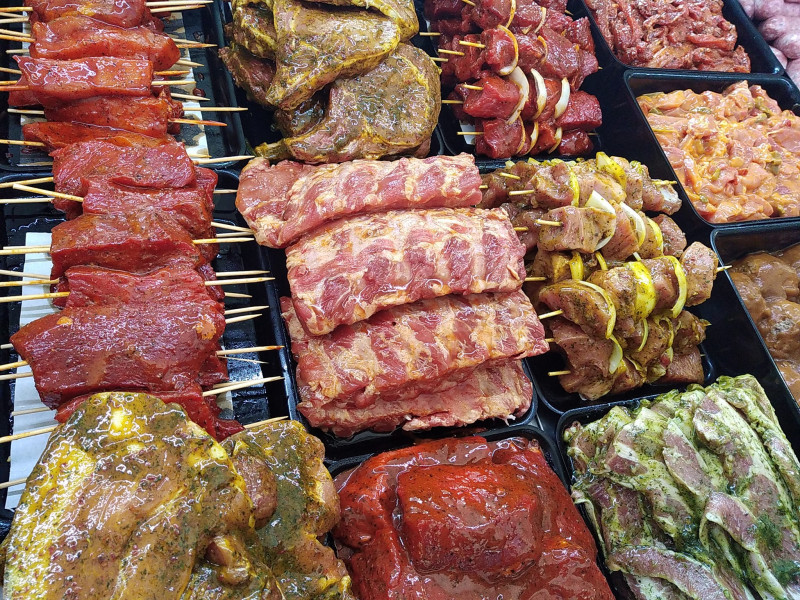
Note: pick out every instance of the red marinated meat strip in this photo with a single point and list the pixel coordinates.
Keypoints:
(23, 97)
(67, 80)
(122, 13)
(56, 135)
(154, 347)
(146, 115)
(203, 411)
(497, 100)
(136, 242)
(282, 202)
(72, 37)
(164, 164)
(497, 391)
(350, 269)
(412, 345)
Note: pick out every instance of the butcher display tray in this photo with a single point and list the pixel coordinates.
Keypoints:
(632, 131)
(733, 244)
(249, 405)
(212, 81)
(366, 441)
(762, 60)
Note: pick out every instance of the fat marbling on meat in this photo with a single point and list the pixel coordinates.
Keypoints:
(350, 269)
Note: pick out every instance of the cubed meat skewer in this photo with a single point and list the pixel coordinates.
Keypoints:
(348, 270)
(121, 13)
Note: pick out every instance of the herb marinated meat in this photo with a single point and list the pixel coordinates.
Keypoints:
(253, 28)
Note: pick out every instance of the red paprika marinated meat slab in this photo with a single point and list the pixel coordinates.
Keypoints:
(67, 80)
(497, 391)
(352, 268)
(122, 13)
(56, 135)
(284, 201)
(138, 243)
(153, 347)
(404, 349)
(464, 518)
(162, 165)
(146, 115)
(77, 36)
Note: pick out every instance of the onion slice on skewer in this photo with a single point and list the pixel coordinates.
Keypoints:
(657, 233)
(576, 268)
(636, 221)
(508, 69)
(680, 275)
(645, 334)
(519, 79)
(612, 311)
(563, 100)
(511, 13)
(645, 290)
(615, 361)
(541, 92)
(600, 203)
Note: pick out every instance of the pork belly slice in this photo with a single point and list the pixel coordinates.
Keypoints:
(352, 268)
(500, 391)
(402, 350)
(284, 201)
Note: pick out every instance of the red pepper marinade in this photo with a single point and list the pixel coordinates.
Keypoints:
(467, 519)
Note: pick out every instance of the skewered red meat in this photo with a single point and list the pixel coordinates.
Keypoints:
(350, 269)
(147, 115)
(137, 242)
(164, 165)
(582, 113)
(582, 229)
(282, 202)
(151, 347)
(407, 350)
(56, 135)
(575, 143)
(500, 138)
(498, 98)
(73, 37)
(122, 13)
(498, 391)
(67, 80)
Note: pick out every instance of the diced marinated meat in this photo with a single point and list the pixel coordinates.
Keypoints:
(582, 305)
(700, 265)
(581, 229)
(673, 236)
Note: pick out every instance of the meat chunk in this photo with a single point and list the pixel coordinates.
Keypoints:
(250, 73)
(673, 236)
(700, 265)
(775, 279)
(582, 305)
(120, 13)
(580, 229)
(350, 269)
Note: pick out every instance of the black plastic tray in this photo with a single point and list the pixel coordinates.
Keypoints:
(212, 81)
(364, 441)
(449, 125)
(732, 244)
(249, 404)
(762, 60)
(632, 129)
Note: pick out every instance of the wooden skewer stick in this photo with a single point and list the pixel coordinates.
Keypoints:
(221, 159)
(246, 309)
(453, 52)
(439, 59)
(429, 33)
(472, 44)
(266, 422)
(7, 347)
(220, 191)
(548, 223)
(17, 38)
(557, 373)
(16, 376)
(13, 72)
(26, 250)
(188, 63)
(175, 82)
(13, 365)
(17, 9)
(34, 297)
(555, 313)
(29, 411)
(725, 268)
(470, 133)
(23, 275)
(230, 295)
(218, 109)
(239, 386)
(22, 142)
(241, 273)
(14, 20)
(220, 240)
(171, 73)
(521, 229)
(468, 2)
(231, 234)
(199, 122)
(483, 187)
(190, 97)
(509, 175)
(9, 184)
(219, 225)
(12, 483)
(20, 283)
(238, 281)
(247, 350)
(521, 192)
(176, 8)
(452, 102)
(35, 190)
(549, 340)
(161, 3)
(192, 45)
(467, 86)
(18, 111)
(243, 318)
(536, 279)
(25, 434)
(248, 360)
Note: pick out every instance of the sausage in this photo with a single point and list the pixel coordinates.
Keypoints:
(789, 44)
(780, 56)
(775, 27)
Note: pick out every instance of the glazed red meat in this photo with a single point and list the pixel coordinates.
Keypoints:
(583, 112)
(500, 51)
(282, 202)
(350, 269)
(488, 14)
(88, 349)
(146, 115)
(497, 99)
(163, 165)
(498, 391)
(575, 143)
(122, 13)
(428, 522)
(67, 80)
(56, 135)
(501, 139)
(443, 9)
(73, 37)
(136, 242)
(403, 349)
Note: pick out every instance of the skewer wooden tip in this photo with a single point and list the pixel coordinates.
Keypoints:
(13, 482)
(469, 133)
(548, 223)
(25, 250)
(453, 52)
(557, 373)
(266, 422)
(509, 175)
(241, 385)
(34, 297)
(243, 318)
(16, 376)
(471, 44)
(9, 184)
(254, 349)
(246, 309)
(469, 86)
(177, 82)
(219, 225)
(468, 2)
(25, 434)
(237, 281)
(177, 8)
(483, 187)
(237, 295)
(219, 240)
(549, 340)
(521, 192)
(521, 229)
(439, 59)
(536, 279)
(190, 97)
(725, 268)
(218, 109)
(452, 102)
(221, 159)
(199, 122)
(429, 33)
(555, 313)
(22, 142)
(18, 111)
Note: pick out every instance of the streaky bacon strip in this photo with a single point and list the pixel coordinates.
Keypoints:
(352, 268)
(498, 391)
(67, 80)
(284, 201)
(76, 36)
(404, 349)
